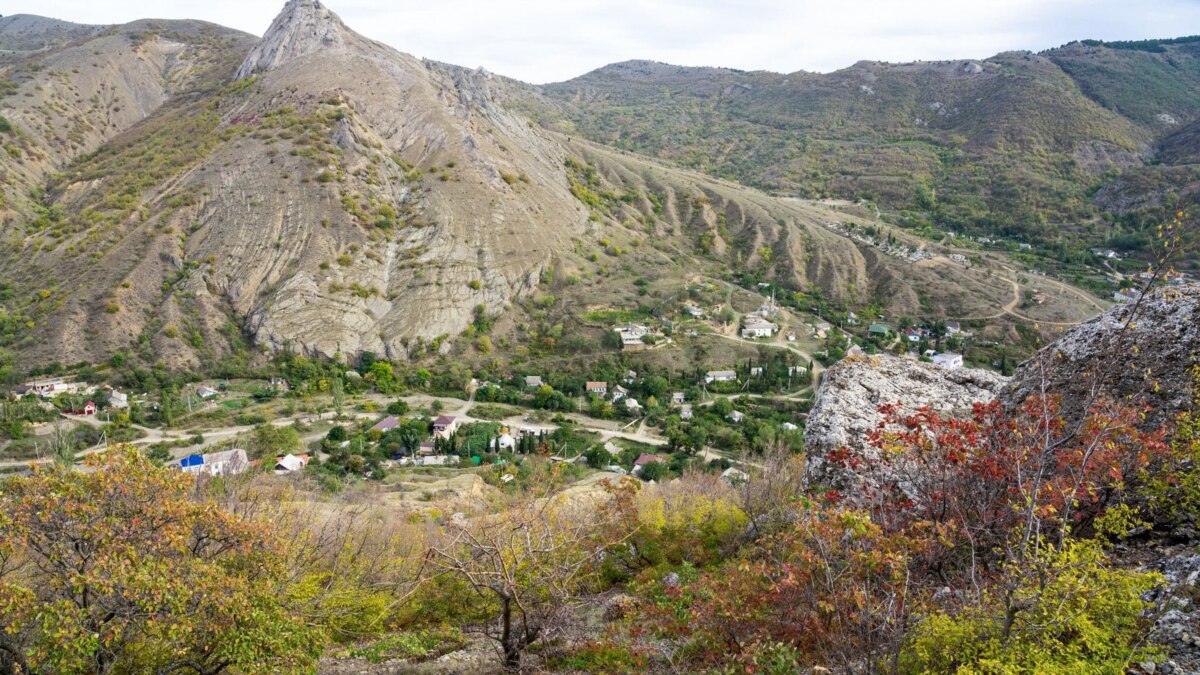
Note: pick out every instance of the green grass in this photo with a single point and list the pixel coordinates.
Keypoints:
(417, 645)
(616, 316)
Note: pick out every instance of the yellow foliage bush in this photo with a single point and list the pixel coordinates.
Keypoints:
(693, 520)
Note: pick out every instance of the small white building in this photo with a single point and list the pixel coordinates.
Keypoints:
(948, 361)
(290, 463)
(118, 400)
(206, 393)
(533, 381)
(597, 388)
(225, 463)
(503, 442)
(720, 376)
(678, 397)
(685, 413)
(736, 416)
(755, 326)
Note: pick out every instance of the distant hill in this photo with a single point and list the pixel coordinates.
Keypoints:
(1014, 145)
(21, 33)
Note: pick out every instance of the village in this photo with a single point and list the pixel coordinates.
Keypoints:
(607, 420)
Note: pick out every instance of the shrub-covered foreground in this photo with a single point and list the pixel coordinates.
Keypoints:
(975, 545)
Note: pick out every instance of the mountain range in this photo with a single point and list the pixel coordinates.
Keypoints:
(1015, 145)
(178, 192)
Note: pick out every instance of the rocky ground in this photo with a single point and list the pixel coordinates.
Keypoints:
(1140, 350)
(1176, 612)
(847, 402)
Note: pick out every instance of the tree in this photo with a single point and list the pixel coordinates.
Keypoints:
(120, 570)
(722, 406)
(526, 564)
(62, 444)
(337, 389)
(385, 380)
(410, 438)
(652, 471)
(598, 458)
(269, 440)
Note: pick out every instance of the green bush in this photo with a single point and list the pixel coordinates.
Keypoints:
(1070, 613)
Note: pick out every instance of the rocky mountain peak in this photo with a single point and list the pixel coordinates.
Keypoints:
(302, 28)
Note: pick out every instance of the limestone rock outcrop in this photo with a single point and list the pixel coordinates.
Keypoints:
(1141, 352)
(851, 391)
(303, 27)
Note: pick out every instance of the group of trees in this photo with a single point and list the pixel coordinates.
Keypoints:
(952, 546)
(136, 568)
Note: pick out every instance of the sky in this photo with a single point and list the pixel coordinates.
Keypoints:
(542, 41)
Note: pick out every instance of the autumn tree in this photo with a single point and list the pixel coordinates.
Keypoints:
(527, 564)
(120, 569)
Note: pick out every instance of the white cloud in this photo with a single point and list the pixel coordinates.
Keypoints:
(546, 40)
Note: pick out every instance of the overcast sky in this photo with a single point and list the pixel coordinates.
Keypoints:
(551, 40)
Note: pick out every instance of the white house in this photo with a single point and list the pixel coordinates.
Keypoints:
(118, 400)
(948, 361)
(678, 397)
(720, 376)
(755, 371)
(533, 381)
(630, 376)
(206, 393)
(225, 463)
(953, 328)
(757, 327)
(503, 442)
(619, 393)
(631, 342)
(736, 416)
(290, 463)
(597, 388)
(685, 413)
